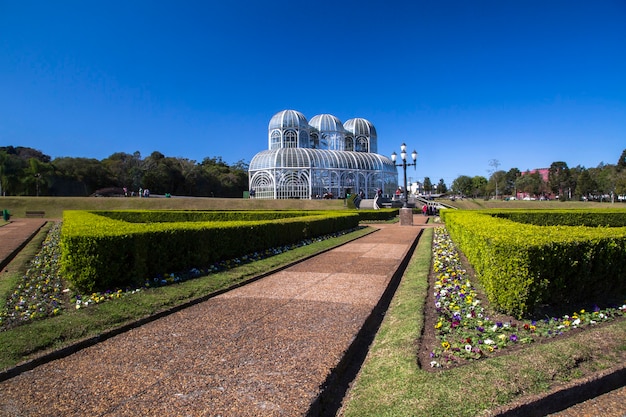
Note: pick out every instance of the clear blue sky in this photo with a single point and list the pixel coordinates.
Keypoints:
(463, 82)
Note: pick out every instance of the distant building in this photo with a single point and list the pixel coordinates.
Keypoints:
(544, 173)
(320, 158)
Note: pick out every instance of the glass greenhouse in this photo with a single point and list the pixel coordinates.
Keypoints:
(322, 158)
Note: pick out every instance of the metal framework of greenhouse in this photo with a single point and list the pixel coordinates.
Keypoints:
(321, 158)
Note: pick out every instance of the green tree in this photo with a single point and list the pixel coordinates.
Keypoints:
(79, 176)
(37, 177)
(162, 174)
(620, 183)
(479, 186)
(15, 167)
(428, 185)
(621, 163)
(125, 169)
(441, 187)
(605, 178)
(462, 186)
(585, 185)
(496, 183)
(510, 178)
(559, 179)
(531, 183)
(3, 158)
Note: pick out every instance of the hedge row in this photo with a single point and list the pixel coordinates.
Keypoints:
(377, 215)
(596, 218)
(172, 216)
(101, 251)
(523, 266)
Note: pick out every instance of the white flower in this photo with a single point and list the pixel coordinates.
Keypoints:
(468, 348)
(434, 364)
(489, 342)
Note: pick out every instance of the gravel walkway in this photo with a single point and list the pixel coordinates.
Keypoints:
(265, 349)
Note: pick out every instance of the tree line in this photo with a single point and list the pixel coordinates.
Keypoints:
(602, 183)
(26, 171)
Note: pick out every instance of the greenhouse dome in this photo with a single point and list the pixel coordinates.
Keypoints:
(288, 129)
(320, 158)
(327, 132)
(363, 134)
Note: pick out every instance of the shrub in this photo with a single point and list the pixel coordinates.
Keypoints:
(100, 252)
(522, 266)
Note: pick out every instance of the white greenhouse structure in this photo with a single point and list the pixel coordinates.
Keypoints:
(320, 158)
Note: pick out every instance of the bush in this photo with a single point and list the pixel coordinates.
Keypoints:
(100, 252)
(522, 266)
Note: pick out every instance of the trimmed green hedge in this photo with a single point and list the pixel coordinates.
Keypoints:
(522, 266)
(103, 250)
(172, 216)
(377, 215)
(593, 218)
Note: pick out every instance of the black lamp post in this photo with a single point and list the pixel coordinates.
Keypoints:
(404, 164)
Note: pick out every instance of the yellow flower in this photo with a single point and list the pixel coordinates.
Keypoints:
(438, 325)
(566, 323)
(445, 345)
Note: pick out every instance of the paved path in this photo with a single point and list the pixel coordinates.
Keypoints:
(14, 235)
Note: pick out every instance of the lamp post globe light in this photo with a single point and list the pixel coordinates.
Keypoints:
(404, 164)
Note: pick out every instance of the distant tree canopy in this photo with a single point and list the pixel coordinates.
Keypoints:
(603, 182)
(26, 171)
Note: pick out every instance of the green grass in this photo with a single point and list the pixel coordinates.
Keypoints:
(54, 206)
(27, 341)
(391, 383)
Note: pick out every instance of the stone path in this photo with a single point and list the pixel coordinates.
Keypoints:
(14, 235)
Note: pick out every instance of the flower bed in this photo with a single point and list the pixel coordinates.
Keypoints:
(464, 329)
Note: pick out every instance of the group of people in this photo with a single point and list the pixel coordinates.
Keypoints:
(142, 192)
(430, 210)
